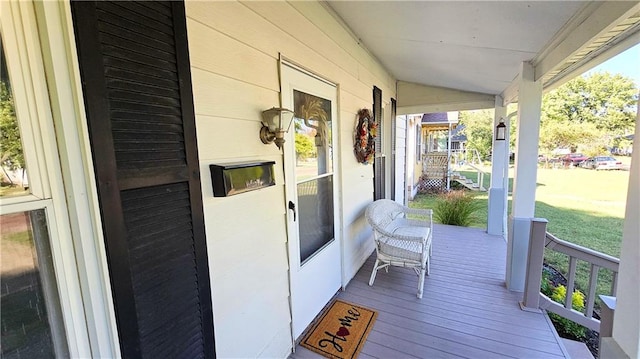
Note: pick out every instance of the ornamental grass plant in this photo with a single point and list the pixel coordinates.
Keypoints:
(455, 208)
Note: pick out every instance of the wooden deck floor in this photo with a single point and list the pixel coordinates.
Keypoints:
(466, 311)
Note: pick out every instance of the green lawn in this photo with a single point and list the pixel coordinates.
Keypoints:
(583, 206)
(9, 191)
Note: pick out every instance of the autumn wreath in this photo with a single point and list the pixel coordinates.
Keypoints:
(365, 137)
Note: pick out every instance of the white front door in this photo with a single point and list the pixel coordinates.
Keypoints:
(311, 192)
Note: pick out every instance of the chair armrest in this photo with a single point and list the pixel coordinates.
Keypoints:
(418, 211)
(426, 214)
(393, 234)
(387, 218)
(419, 223)
(407, 238)
(410, 232)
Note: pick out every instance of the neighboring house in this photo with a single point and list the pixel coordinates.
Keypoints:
(437, 129)
(627, 148)
(124, 107)
(458, 139)
(414, 152)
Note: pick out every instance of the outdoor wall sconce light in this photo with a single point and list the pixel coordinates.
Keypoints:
(275, 123)
(501, 131)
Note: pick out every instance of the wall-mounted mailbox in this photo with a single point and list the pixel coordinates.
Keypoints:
(238, 177)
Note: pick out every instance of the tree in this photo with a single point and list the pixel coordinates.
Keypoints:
(586, 114)
(305, 147)
(11, 155)
(605, 100)
(478, 127)
(572, 135)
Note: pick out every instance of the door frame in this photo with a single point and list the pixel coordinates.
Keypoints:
(290, 187)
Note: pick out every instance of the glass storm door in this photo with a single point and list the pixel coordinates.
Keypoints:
(314, 249)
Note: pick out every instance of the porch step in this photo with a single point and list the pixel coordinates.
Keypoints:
(470, 184)
(577, 350)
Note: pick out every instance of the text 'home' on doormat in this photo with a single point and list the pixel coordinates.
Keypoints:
(341, 330)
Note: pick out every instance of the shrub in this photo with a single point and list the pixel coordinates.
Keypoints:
(577, 299)
(546, 285)
(455, 185)
(567, 328)
(455, 208)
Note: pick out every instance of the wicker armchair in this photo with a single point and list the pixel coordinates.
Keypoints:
(402, 236)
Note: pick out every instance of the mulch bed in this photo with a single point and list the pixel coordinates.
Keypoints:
(592, 339)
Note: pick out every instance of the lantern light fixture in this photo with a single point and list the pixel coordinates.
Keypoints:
(276, 121)
(501, 131)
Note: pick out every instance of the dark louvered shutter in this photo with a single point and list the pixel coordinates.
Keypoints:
(394, 150)
(136, 79)
(378, 162)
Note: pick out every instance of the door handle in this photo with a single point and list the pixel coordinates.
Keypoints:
(292, 206)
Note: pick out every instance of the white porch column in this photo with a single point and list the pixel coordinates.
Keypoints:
(524, 181)
(497, 213)
(626, 320)
(449, 156)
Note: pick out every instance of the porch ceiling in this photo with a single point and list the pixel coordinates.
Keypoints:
(475, 46)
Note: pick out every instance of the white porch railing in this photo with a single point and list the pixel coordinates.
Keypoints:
(466, 156)
(479, 176)
(533, 299)
(469, 158)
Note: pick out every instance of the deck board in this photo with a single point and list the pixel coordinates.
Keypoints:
(466, 311)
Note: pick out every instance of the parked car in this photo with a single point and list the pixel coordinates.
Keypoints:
(602, 163)
(573, 159)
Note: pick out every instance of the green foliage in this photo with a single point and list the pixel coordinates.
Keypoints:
(602, 99)
(241, 178)
(479, 218)
(455, 208)
(23, 238)
(546, 286)
(577, 213)
(567, 328)
(478, 127)
(305, 147)
(8, 189)
(600, 146)
(567, 134)
(10, 145)
(577, 299)
(585, 114)
(622, 143)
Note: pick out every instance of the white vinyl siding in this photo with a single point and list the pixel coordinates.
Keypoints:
(234, 49)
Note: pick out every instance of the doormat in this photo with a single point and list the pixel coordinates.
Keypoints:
(341, 330)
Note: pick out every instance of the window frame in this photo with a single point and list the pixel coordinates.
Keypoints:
(25, 66)
(419, 143)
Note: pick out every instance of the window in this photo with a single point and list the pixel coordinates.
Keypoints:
(418, 143)
(31, 325)
(379, 170)
(38, 270)
(30, 303)
(13, 177)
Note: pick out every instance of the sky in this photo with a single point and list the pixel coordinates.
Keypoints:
(626, 63)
